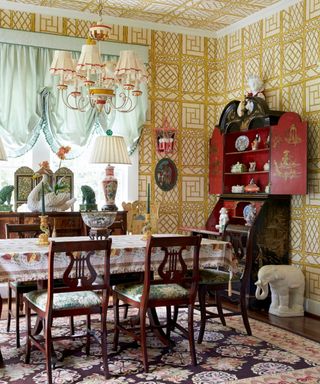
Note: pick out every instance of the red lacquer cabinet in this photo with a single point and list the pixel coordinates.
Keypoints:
(278, 163)
(262, 162)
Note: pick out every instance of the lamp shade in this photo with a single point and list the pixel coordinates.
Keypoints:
(110, 150)
(62, 64)
(90, 59)
(3, 155)
(129, 69)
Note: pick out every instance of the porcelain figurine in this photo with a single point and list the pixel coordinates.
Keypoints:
(53, 202)
(252, 166)
(255, 143)
(223, 219)
(287, 284)
(266, 166)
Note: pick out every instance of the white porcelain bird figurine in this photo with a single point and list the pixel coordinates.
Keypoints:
(53, 202)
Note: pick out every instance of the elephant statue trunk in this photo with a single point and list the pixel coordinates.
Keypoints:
(262, 290)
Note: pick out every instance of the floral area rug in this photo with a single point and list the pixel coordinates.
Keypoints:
(227, 355)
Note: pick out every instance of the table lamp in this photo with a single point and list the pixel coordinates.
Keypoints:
(3, 155)
(110, 149)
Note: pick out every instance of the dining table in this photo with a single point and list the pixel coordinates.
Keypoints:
(26, 260)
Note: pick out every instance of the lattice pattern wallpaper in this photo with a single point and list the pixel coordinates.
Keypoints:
(284, 50)
(191, 80)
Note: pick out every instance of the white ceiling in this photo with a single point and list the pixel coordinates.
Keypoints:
(200, 17)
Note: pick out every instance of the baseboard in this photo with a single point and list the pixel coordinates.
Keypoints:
(312, 307)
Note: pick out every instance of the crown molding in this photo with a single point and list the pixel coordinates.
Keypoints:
(257, 16)
(266, 12)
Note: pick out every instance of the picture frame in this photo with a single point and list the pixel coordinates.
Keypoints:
(166, 174)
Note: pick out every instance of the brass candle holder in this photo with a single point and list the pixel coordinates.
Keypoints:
(44, 237)
(147, 229)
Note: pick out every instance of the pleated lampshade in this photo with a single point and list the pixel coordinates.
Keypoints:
(129, 69)
(3, 155)
(110, 150)
(90, 59)
(62, 63)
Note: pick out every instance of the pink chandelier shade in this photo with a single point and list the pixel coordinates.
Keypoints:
(129, 71)
(3, 155)
(90, 60)
(63, 65)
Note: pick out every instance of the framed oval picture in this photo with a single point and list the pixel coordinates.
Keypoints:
(166, 174)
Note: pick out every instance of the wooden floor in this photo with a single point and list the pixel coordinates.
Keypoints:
(306, 326)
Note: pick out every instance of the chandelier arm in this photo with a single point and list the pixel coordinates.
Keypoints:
(122, 96)
(80, 103)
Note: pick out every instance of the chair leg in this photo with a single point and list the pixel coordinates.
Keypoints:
(125, 312)
(191, 335)
(17, 313)
(0, 306)
(175, 316)
(88, 335)
(116, 322)
(28, 340)
(244, 313)
(143, 339)
(104, 343)
(9, 307)
(169, 321)
(71, 322)
(220, 309)
(48, 350)
(202, 290)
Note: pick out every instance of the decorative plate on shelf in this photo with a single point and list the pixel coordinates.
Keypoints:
(242, 143)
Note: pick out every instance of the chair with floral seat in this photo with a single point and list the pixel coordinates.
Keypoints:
(81, 294)
(215, 283)
(19, 288)
(172, 287)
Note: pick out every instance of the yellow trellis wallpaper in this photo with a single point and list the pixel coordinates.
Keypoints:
(192, 78)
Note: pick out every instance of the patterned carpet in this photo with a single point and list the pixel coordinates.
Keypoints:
(227, 355)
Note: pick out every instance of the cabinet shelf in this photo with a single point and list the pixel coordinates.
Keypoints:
(245, 173)
(251, 151)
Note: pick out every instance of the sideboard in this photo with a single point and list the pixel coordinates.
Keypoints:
(65, 223)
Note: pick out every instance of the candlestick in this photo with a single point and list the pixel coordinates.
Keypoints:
(44, 237)
(147, 229)
(43, 210)
(148, 198)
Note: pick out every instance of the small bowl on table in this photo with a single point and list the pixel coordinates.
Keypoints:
(99, 223)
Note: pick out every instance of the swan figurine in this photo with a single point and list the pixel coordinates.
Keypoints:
(53, 202)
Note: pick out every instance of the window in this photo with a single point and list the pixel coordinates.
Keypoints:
(85, 173)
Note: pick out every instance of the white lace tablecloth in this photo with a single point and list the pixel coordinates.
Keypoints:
(24, 259)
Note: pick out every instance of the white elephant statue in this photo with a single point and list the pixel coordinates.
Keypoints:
(287, 285)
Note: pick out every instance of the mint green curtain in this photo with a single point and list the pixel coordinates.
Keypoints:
(20, 106)
(31, 104)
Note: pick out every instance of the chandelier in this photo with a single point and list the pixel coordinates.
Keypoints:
(92, 83)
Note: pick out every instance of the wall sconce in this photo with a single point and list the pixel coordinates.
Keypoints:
(165, 137)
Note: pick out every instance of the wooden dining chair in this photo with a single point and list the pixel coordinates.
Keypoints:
(78, 296)
(215, 283)
(172, 287)
(16, 287)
